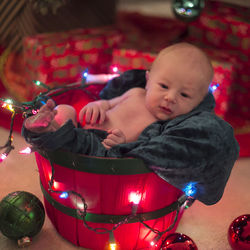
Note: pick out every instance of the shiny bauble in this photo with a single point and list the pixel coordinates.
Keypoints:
(177, 241)
(239, 233)
(21, 215)
(187, 10)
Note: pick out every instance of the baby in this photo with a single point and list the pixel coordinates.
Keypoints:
(177, 82)
(170, 124)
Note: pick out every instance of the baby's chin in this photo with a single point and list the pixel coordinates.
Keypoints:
(165, 117)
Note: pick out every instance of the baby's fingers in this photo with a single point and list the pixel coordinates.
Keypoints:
(108, 143)
(102, 116)
(81, 114)
(117, 132)
(113, 138)
(95, 115)
(105, 145)
(117, 135)
(88, 115)
(49, 106)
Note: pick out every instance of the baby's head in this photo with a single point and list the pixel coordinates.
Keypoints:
(178, 81)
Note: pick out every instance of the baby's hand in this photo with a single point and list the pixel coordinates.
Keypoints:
(42, 121)
(115, 137)
(94, 111)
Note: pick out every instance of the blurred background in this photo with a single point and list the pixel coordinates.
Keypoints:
(55, 41)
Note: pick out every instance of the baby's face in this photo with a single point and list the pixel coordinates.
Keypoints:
(173, 88)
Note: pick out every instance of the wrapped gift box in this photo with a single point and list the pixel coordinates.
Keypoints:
(239, 89)
(148, 33)
(242, 133)
(126, 59)
(223, 75)
(224, 26)
(223, 29)
(59, 58)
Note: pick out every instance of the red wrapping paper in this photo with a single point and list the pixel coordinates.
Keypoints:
(148, 33)
(223, 26)
(60, 58)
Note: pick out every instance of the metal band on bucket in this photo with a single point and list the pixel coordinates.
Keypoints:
(103, 218)
(97, 165)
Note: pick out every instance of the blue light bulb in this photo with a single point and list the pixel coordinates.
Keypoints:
(190, 189)
(85, 73)
(214, 87)
(64, 195)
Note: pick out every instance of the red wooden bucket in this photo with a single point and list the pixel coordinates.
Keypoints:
(106, 184)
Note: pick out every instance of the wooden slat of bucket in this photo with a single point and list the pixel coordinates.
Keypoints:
(64, 224)
(64, 179)
(110, 194)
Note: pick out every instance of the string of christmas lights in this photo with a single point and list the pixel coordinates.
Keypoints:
(32, 107)
(8, 145)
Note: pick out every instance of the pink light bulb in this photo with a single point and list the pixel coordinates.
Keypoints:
(3, 157)
(25, 151)
(135, 197)
(34, 111)
(115, 69)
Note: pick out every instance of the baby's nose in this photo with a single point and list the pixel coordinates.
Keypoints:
(170, 97)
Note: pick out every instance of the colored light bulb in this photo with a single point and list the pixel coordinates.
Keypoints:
(112, 246)
(64, 195)
(25, 151)
(38, 83)
(115, 69)
(135, 197)
(190, 189)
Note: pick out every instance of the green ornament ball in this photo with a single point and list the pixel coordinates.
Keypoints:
(21, 214)
(188, 10)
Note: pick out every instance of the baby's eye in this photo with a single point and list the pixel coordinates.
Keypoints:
(163, 86)
(185, 95)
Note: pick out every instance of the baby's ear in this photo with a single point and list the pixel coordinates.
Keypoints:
(147, 75)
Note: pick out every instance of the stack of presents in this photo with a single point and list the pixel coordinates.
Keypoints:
(222, 31)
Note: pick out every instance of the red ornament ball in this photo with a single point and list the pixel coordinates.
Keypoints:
(239, 233)
(177, 241)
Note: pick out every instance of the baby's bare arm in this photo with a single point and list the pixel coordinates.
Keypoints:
(96, 111)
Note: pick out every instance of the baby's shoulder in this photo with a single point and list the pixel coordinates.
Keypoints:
(136, 92)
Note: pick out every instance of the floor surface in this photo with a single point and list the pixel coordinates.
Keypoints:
(206, 225)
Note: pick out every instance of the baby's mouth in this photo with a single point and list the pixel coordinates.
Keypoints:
(166, 110)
